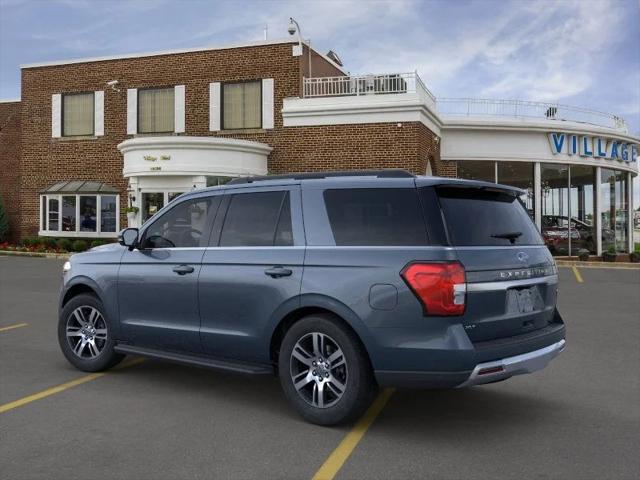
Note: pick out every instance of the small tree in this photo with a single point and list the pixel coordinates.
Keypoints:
(4, 222)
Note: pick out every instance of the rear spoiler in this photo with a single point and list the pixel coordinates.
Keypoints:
(458, 183)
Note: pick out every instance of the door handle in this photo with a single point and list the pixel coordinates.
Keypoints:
(277, 272)
(183, 269)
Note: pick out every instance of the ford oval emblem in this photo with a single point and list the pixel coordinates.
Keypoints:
(523, 257)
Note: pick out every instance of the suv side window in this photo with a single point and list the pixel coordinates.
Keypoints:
(258, 219)
(186, 225)
(376, 217)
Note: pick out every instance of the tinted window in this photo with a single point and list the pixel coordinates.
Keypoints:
(486, 217)
(185, 225)
(376, 216)
(257, 220)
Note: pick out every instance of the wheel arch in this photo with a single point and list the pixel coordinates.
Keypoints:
(319, 304)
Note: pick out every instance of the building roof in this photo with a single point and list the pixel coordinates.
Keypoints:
(80, 186)
(173, 52)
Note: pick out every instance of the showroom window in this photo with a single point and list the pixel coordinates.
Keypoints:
(519, 174)
(78, 114)
(614, 210)
(156, 110)
(242, 105)
(79, 209)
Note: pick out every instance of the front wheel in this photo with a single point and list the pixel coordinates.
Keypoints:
(86, 336)
(324, 371)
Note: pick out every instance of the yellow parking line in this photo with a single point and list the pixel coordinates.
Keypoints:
(334, 463)
(61, 388)
(576, 272)
(11, 327)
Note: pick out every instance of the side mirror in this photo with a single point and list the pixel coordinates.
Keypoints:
(129, 238)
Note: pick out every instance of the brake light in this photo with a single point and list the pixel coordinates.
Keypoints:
(440, 287)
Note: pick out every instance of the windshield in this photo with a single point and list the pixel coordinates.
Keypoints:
(485, 217)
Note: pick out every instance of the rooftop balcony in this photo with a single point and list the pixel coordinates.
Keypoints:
(410, 83)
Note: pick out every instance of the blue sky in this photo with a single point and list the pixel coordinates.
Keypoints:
(578, 52)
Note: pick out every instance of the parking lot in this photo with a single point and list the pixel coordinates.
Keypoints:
(579, 418)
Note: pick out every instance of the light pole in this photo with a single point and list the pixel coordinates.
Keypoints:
(293, 28)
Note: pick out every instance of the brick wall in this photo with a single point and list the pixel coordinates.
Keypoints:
(10, 162)
(46, 160)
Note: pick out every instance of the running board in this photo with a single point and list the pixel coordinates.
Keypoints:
(217, 364)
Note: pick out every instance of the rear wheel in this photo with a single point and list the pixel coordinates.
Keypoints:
(86, 335)
(324, 371)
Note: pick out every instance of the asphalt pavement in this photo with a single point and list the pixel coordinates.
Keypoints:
(577, 419)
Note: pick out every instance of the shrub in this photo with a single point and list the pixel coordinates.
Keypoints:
(4, 223)
(48, 242)
(97, 243)
(79, 246)
(583, 254)
(65, 244)
(29, 241)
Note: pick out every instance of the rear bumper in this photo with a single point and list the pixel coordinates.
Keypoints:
(502, 369)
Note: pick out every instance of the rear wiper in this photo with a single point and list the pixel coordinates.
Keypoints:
(511, 236)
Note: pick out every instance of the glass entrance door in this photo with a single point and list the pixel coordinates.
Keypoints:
(152, 202)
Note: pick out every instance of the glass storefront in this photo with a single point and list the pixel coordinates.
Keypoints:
(615, 210)
(568, 201)
(152, 202)
(519, 174)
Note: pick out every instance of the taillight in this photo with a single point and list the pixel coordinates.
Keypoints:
(440, 287)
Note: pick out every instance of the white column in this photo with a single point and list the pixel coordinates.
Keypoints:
(598, 201)
(630, 212)
(537, 193)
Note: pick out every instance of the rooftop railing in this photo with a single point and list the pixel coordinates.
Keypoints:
(398, 83)
(365, 85)
(526, 109)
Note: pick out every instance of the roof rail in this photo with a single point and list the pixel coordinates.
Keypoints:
(382, 173)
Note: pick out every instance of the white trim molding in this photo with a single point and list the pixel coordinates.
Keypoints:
(179, 108)
(214, 107)
(391, 108)
(267, 103)
(56, 115)
(132, 111)
(98, 112)
(183, 155)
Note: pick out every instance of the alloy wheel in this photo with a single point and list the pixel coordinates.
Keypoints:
(86, 332)
(318, 370)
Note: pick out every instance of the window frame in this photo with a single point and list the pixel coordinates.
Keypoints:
(167, 208)
(238, 82)
(158, 132)
(93, 116)
(77, 233)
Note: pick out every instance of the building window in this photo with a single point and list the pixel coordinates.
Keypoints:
(519, 174)
(76, 215)
(156, 110)
(614, 210)
(477, 170)
(242, 105)
(78, 114)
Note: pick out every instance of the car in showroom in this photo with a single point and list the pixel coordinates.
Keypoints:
(338, 282)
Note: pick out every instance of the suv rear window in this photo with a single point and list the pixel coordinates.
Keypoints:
(375, 217)
(486, 218)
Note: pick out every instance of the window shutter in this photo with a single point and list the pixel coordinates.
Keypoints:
(56, 115)
(267, 103)
(178, 98)
(98, 112)
(132, 111)
(214, 106)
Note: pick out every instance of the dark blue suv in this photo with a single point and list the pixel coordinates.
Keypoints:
(339, 282)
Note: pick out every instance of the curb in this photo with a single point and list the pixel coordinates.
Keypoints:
(613, 265)
(11, 253)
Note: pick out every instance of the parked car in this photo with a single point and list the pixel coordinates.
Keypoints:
(555, 232)
(337, 282)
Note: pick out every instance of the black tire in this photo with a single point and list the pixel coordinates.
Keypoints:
(107, 357)
(360, 386)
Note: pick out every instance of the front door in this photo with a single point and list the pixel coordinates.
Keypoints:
(158, 283)
(252, 272)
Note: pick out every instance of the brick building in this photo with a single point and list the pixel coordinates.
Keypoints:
(90, 137)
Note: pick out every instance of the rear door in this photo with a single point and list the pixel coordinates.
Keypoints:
(252, 271)
(511, 275)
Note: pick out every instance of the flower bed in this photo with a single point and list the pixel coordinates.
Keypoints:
(52, 245)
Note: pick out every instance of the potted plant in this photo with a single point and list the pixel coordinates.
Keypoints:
(132, 213)
(610, 255)
(583, 254)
